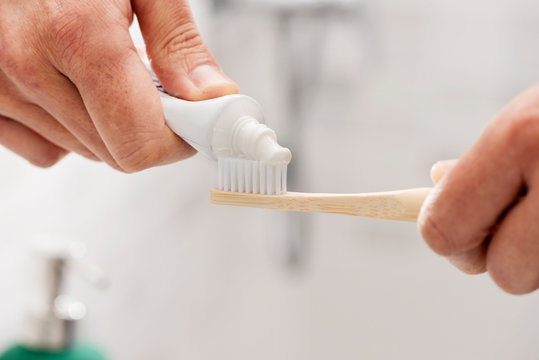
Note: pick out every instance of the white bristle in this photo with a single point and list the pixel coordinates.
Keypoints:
(262, 178)
(256, 177)
(220, 176)
(247, 176)
(240, 169)
(278, 177)
(226, 173)
(233, 176)
(251, 177)
(283, 179)
(269, 180)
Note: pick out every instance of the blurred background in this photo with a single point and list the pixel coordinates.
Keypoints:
(368, 95)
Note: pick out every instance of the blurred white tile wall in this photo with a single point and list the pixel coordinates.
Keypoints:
(378, 98)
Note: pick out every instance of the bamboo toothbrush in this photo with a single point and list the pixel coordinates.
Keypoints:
(252, 166)
(401, 205)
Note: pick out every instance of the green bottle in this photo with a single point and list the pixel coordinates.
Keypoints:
(74, 352)
(52, 321)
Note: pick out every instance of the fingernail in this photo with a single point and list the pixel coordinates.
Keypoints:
(206, 75)
(209, 79)
(436, 166)
(444, 164)
(437, 172)
(439, 169)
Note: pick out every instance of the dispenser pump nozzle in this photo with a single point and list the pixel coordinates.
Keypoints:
(52, 320)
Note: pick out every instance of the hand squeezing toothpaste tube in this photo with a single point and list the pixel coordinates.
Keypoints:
(230, 130)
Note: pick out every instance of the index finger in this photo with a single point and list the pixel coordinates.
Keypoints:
(123, 102)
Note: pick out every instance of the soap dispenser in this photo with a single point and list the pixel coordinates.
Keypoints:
(53, 318)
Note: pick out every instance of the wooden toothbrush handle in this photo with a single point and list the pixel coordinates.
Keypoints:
(402, 205)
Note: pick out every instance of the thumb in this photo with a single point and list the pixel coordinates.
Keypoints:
(440, 169)
(180, 59)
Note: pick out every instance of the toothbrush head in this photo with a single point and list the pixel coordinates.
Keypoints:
(259, 164)
(252, 176)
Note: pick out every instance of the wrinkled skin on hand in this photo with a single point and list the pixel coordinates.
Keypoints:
(484, 212)
(71, 79)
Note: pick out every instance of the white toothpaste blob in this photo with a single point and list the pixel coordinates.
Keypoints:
(269, 150)
(257, 142)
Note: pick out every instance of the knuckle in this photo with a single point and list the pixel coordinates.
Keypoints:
(21, 60)
(17, 61)
(19, 49)
(23, 71)
(7, 57)
(524, 130)
(522, 122)
(7, 44)
(48, 158)
(184, 40)
(515, 278)
(512, 286)
(138, 153)
(434, 235)
(471, 263)
(68, 30)
(83, 151)
(183, 37)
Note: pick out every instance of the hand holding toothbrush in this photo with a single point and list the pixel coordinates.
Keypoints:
(72, 81)
(483, 214)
